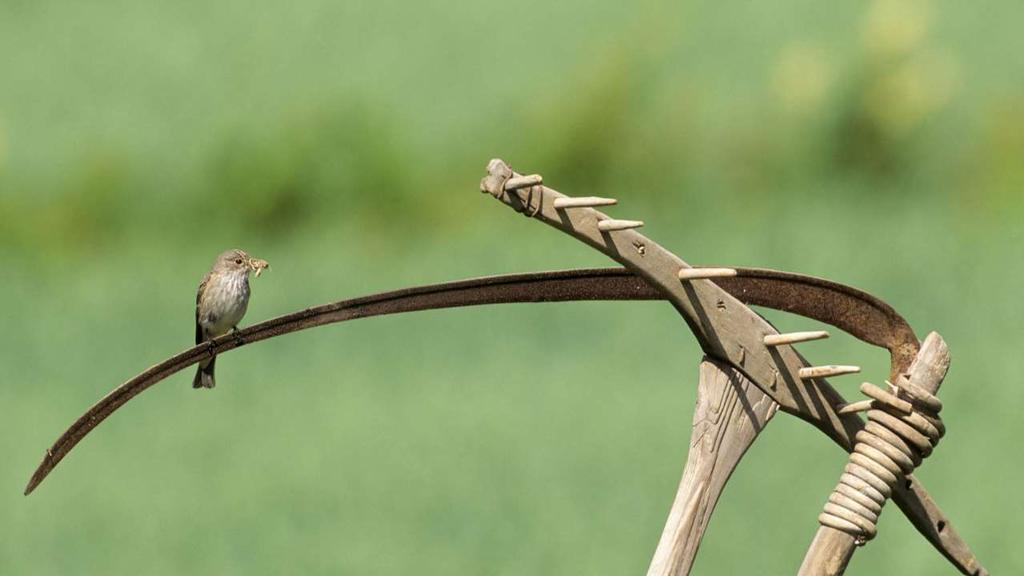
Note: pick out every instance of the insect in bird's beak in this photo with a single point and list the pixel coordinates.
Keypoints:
(258, 265)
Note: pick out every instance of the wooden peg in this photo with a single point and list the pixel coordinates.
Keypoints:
(583, 202)
(611, 225)
(827, 371)
(523, 182)
(687, 274)
(794, 337)
(859, 406)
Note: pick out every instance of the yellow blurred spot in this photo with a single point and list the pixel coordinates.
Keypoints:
(802, 77)
(902, 98)
(895, 27)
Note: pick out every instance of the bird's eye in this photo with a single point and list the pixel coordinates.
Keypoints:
(238, 261)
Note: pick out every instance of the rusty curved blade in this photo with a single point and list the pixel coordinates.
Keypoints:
(752, 285)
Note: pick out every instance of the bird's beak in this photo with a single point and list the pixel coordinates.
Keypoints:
(258, 265)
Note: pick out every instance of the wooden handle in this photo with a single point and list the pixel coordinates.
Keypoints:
(731, 411)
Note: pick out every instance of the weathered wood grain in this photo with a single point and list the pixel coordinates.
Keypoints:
(730, 412)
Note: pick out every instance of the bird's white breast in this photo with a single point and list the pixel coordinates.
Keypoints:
(225, 299)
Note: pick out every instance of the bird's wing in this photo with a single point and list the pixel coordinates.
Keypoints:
(199, 298)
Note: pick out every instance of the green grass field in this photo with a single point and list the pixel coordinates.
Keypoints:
(878, 145)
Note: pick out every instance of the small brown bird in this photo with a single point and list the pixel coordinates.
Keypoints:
(221, 302)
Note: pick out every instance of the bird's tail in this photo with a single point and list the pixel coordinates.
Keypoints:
(204, 376)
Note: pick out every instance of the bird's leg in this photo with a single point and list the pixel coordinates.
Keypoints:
(211, 347)
(238, 339)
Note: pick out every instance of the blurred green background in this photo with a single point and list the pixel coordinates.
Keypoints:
(879, 144)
